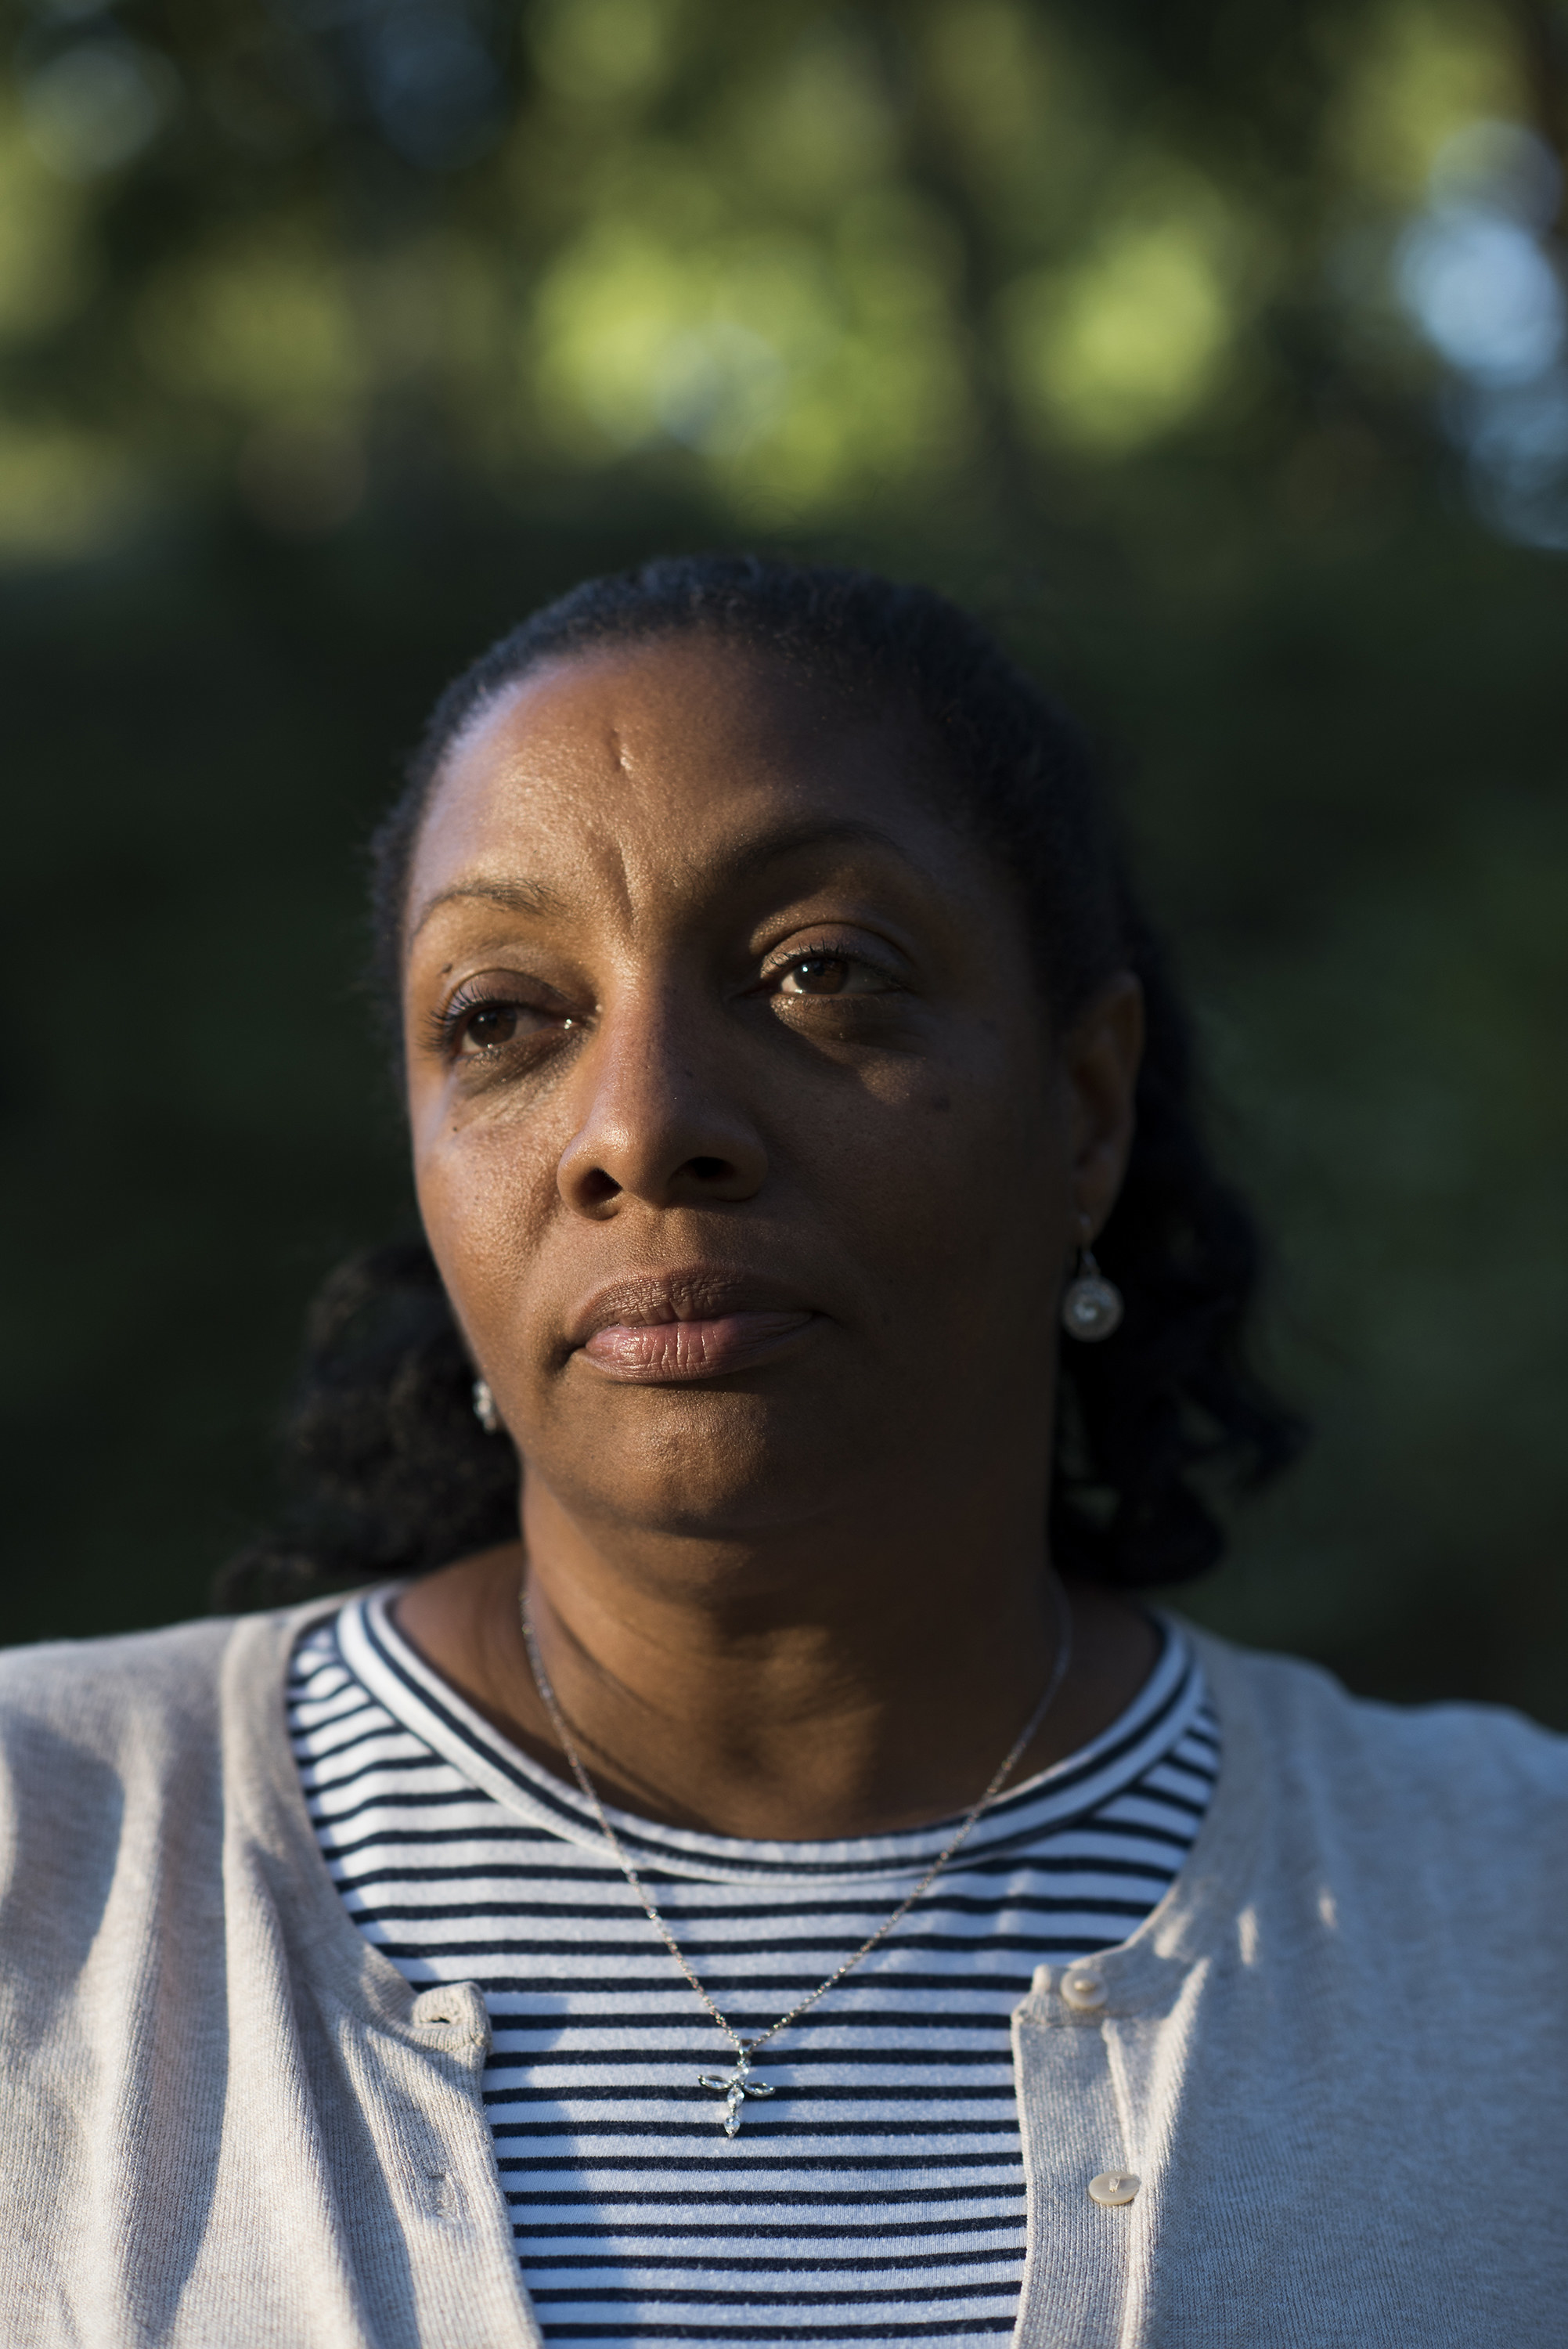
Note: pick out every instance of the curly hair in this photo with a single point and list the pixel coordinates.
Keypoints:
(391, 1474)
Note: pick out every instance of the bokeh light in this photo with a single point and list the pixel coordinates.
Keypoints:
(1218, 353)
(1480, 274)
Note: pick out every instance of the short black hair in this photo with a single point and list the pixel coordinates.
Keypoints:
(392, 1473)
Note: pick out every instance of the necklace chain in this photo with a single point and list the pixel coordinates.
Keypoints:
(735, 2085)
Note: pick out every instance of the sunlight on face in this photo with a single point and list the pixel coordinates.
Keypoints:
(713, 1020)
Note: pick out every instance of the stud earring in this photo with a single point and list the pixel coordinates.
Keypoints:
(485, 1410)
(1091, 1304)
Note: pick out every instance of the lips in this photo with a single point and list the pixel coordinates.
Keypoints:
(672, 1328)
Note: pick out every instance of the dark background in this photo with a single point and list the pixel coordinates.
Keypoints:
(334, 336)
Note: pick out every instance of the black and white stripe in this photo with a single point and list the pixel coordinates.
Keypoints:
(879, 2195)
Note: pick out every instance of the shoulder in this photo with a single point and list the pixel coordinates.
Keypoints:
(73, 1671)
(139, 1706)
(1433, 1744)
(98, 1694)
(104, 1744)
(1404, 1786)
(120, 1761)
(110, 1750)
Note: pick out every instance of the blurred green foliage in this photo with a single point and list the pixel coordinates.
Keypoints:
(335, 332)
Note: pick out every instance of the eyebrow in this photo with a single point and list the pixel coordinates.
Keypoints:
(513, 897)
(526, 897)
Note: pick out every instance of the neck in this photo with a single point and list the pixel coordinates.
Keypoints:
(837, 1680)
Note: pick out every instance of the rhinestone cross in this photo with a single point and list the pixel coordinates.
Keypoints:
(734, 2088)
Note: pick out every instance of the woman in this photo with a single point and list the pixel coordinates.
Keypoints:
(782, 1887)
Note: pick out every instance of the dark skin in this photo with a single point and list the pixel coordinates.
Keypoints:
(754, 1165)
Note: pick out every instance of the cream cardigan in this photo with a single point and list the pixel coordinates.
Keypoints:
(1336, 2055)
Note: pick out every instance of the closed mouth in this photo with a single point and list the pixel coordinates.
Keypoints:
(673, 1328)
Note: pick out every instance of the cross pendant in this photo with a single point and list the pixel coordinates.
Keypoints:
(734, 2088)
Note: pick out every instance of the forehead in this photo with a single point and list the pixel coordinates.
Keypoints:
(667, 756)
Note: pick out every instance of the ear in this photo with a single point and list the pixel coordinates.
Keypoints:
(1100, 1053)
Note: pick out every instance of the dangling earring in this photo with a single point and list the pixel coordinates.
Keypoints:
(1091, 1304)
(485, 1410)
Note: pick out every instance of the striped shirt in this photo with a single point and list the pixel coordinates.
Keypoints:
(878, 2195)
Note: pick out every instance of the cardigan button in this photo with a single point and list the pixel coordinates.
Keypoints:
(435, 2006)
(1082, 1988)
(1112, 2187)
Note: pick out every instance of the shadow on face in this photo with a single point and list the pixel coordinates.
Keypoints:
(740, 1136)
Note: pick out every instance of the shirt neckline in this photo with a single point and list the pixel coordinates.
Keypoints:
(374, 1650)
(280, 1859)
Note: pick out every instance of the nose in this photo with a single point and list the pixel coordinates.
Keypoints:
(661, 1124)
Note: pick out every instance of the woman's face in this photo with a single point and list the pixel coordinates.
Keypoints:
(742, 1145)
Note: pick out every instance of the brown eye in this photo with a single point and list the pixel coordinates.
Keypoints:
(816, 974)
(492, 1024)
(496, 1015)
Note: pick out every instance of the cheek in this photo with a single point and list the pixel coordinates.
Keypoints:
(487, 1192)
(932, 1172)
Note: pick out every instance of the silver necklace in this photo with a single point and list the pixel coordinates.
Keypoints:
(735, 2085)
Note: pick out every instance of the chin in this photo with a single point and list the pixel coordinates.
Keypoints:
(691, 1473)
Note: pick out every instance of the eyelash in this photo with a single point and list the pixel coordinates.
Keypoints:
(827, 951)
(445, 1028)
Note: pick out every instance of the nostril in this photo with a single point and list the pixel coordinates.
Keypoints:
(642, 1172)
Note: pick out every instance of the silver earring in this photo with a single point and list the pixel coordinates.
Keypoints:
(1091, 1304)
(485, 1410)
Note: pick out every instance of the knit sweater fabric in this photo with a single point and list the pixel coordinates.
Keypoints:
(1327, 2075)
